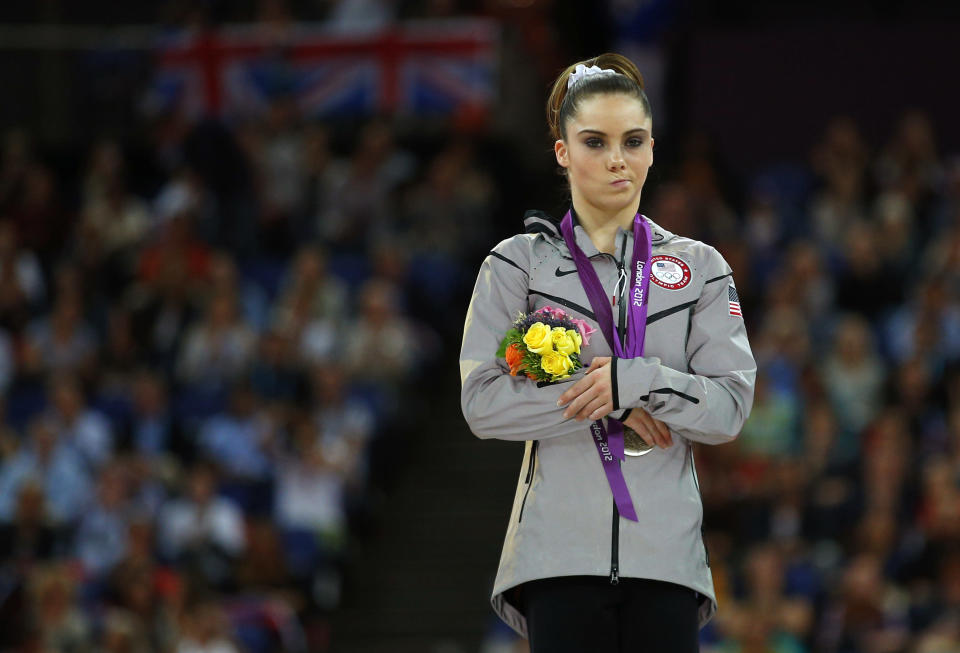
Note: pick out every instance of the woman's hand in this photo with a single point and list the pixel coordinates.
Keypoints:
(592, 396)
(653, 431)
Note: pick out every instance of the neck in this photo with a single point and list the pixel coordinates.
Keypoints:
(602, 226)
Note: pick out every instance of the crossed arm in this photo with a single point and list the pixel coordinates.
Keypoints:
(709, 403)
(592, 398)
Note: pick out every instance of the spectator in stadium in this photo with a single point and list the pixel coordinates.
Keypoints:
(853, 374)
(62, 343)
(163, 310)
(311, 504)
(101, 540)
(20, 268)
(309, 283)
(240, 440)
(62, 624)
(30, 538)
(345, 423)
(201, 531)
(53, 464)
(204, 628)
(78, 425)
(154, 431)
(380, 345)
(218, 348)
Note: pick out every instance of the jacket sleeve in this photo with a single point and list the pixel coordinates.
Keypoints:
(495, 404)
(711, 402)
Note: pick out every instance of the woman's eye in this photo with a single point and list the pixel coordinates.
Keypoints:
(593, 142)
(635, 142)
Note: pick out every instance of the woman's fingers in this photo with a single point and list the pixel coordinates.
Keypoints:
(649, 429)
(653, 431)
(573, 399)
(583, 384)
(587, 405)
(594, 386)
(642, 432)
(664, 431)
(596, 409)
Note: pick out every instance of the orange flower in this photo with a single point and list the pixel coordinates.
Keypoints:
(514, 358)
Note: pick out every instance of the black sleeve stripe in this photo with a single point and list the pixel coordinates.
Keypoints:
(504, 258)
(560, 300)
(722, 276)
(671, 391)
(613, 386)
(626, 414)
(669, 311)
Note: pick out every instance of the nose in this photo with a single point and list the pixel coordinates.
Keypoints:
(616, 159)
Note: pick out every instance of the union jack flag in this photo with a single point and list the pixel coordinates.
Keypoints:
(734, 300)
(419, 67)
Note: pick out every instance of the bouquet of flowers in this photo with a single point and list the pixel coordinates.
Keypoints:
(545, 345)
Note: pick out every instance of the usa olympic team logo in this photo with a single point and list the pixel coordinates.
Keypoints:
(669, 272)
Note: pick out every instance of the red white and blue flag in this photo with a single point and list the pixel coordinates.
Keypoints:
(441, 67)
(734, 301)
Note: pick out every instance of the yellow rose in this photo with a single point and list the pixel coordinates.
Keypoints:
(569, 343)
(538, 338)
(559, 337)
(556, 365)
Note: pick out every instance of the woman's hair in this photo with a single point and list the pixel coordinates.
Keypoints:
(562, 105)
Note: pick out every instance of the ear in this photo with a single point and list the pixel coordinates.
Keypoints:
(560, 150)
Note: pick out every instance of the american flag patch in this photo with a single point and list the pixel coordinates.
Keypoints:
(734, 300)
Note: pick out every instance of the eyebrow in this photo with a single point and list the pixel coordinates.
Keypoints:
(597, 131)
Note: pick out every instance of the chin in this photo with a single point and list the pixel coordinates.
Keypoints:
(620, 204)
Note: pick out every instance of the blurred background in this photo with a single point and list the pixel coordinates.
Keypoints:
(237, 242)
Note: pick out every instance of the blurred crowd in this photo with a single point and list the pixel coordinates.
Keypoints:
(207, 346)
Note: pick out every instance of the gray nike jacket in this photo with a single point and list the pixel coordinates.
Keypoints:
(697, 376)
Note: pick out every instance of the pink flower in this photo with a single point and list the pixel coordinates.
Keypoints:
(585, 329)
(550, 311)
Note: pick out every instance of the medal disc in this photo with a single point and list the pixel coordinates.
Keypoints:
(633, 444)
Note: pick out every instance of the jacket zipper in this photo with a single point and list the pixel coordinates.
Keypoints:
(615, 527)
(615, 547)
(623, 291)
(530, 463)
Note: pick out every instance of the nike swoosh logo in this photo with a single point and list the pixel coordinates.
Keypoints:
(561, 273)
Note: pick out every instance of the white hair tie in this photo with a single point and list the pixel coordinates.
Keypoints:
(582, 71)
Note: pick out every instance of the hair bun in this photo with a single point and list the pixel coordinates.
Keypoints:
(572, 78)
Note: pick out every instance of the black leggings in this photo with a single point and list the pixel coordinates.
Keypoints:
(587, 614)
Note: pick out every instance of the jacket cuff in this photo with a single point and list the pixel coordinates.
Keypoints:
(630, 380)
(618, 413)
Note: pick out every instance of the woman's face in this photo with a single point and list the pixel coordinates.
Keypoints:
(607, 152)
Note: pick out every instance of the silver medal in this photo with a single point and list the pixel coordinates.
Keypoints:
(633, 444)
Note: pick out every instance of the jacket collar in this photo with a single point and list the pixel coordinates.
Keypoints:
(535, 221)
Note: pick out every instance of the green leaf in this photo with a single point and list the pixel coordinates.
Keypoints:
(512, 336)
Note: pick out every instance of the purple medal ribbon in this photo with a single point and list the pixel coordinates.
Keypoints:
(609, 442)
